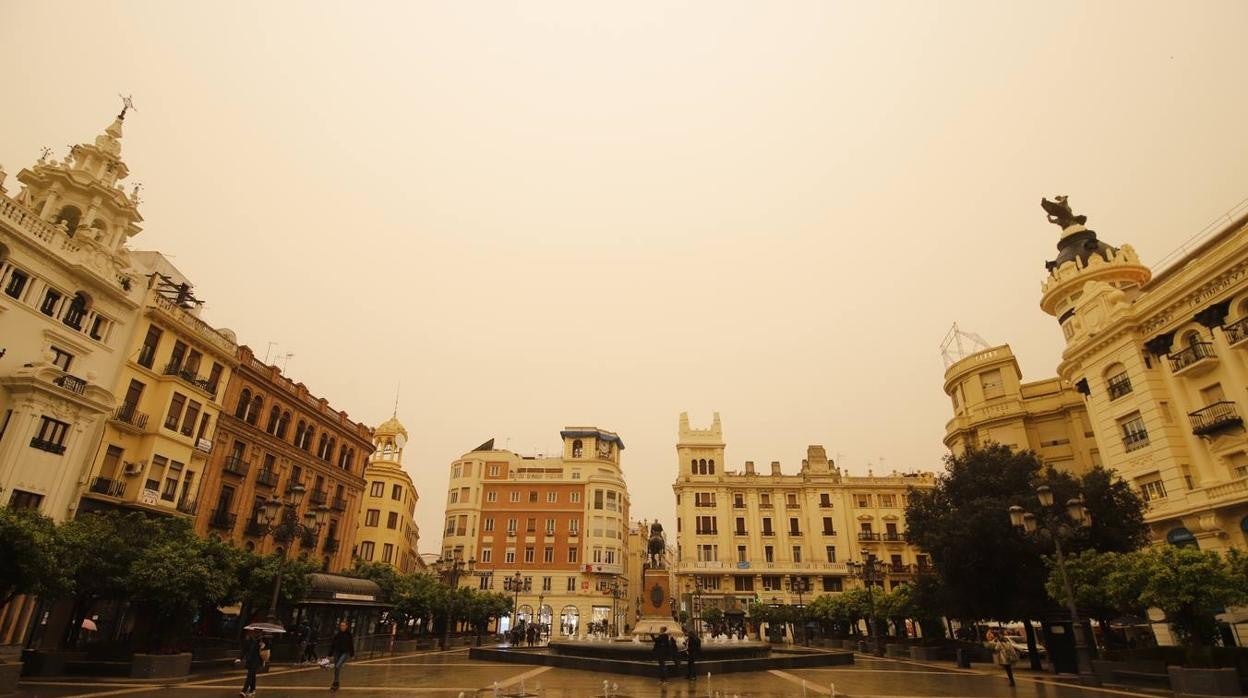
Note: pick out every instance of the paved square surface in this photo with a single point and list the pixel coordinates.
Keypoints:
(452, 674)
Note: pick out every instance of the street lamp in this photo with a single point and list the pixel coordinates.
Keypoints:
(280, 519)
(515, 583)
(619, 590)
(1055, 524)
(800, 585)
(451, 570)
(870, 571)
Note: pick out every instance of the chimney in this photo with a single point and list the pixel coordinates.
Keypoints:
(775, 467)
(749, 467)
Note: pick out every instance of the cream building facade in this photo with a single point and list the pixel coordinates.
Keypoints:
(1162, 362)
(745, 535)
(386, 529)
(991, 403)
(560, 521)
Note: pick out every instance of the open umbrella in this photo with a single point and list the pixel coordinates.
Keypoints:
(266, 628)
(88, 624)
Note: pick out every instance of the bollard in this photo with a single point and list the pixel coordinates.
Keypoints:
(964, 659)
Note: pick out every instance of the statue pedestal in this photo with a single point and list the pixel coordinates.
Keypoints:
(656, 607)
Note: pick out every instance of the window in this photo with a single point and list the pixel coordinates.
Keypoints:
(488, 525)
(769, 553)
(532, 496)
(491, 496)
(454, 496)
(387, 552)
(17, 284)
(767, 531)
(577, 448)
(531, 526)
(790, 499)
(831, 552)
(77, 311)
(764, 500)
(1152, 488)
(772, 582)
(797, 553)
(1118, 383)
(275, 416)
(51, 298)
(572, 554)
(487, 554)
(741, 554)
(888, 500)
(825, 500)
(828, 529)
(990, 381)
(738, 500)
(550, 527)
(20, 499)
(548, 554)
(1134, 433)
(708, 553)
(528, 554)
(739, 529)
(514, 496)
(509, 557)
(833, 584)
(366, 550)
(51, 437)
(377, 489)
(552, 497)
(511, 527)
(742, 583)
(862, 501)
(704, 499)
(188, 421)
(494, 470)
(575, 497)
(574, 527)
(598, 499)
(392, 520)
(396, 493)
(371, 517)
(707, 525)
(61, 358)
(795, 528)
(175, 411)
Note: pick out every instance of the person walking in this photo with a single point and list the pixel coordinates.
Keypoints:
(693, 648)
(252, 660)
(307, 643)
(664, 647)
(1003, 653)
(341, 648)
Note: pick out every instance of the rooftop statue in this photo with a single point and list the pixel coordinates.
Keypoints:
(1059, 212)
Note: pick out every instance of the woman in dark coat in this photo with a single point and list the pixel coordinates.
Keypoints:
(250, 658)
(341, 648)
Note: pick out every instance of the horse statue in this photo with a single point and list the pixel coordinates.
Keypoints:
(657, 547)
(1059, 212)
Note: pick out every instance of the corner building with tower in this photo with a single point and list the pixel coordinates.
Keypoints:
(744, 536)
(559, 521)
(386, 529)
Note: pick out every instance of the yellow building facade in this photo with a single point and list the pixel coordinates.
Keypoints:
(386, 527)
(991, 403)
(560, 521)
(154, 446)
(744, 535)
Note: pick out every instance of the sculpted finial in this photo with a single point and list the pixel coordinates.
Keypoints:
(126, 103)
(1059, 212)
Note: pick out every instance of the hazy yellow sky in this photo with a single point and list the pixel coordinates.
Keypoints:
(541, 214)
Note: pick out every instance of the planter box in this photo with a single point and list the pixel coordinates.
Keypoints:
(929, 653)
(1203, 682)
(48, 663)
(160, 666)
(850, 645)
(9, 674)
(893, 649)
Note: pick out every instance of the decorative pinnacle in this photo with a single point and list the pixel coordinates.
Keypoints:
(126, 103)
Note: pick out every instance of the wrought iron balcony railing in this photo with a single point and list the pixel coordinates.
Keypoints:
(236, 466)
(129, 415)
(108, 486)
(222, 519)
(1191, 355)
(1215, 417)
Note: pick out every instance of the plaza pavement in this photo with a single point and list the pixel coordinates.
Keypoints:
(450, 674)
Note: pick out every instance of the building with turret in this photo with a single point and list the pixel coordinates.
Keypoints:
(558, 523)
(744, 535)
(386, 529)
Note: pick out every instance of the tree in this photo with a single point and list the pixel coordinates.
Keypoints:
(483, 607)
(29, 563)
(1190, 585)
(712, 617)
(256, 575)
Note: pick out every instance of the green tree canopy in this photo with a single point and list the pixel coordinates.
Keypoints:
(29, 560)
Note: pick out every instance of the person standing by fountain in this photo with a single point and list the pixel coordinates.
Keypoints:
(664, 648)
(693, 648)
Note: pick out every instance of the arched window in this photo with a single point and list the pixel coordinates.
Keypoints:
(299, 431)
(350, 459)
(1191, 338)
(329, 450)
(569, 619)
(577, 448)
(342, 456)
(70, 215)
(275, 416)
(702, 466)
(307, 439)
(78, 308)
(244, 401)
(1181, 538)
(710, 467)
(320, 447)
(283, 425)
(253, 412)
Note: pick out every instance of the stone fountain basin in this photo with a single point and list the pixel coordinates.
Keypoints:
(643, 651)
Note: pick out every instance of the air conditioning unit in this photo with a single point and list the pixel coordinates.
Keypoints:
(135, 468)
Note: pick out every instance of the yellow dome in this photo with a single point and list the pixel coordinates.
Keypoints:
(390, 427)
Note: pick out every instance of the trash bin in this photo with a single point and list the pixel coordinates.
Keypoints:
(964, 658)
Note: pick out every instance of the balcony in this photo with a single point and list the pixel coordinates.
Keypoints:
(331, 545)
(129, 418)
(187, 508)
(108, 487)
(191, 378)
(893, 537)
(1236, 332)
(223, 520)
(740, 532)
(308, 540)
(255, 528)
(340, 504)
(318, 497)
(769, 533)
(829, 532)
(1135, 440)
(825, 505)
(898, 568)
(49, 446)
(1214, 418)
(870, 536)
(73, 384)
(1118, 386)
(1193, 360)
(266, 478)
(795, 533)
(292, 482)
(236, 466)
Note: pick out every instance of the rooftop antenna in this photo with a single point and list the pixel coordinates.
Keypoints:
(269, 349)
(396, 400)
(958, 345)
(285, 360)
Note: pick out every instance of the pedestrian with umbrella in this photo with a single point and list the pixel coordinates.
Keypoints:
(251, 658)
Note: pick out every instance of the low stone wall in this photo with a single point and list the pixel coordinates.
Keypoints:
(1203, 682)
(779, 659)
(9, 674)
(160, 666)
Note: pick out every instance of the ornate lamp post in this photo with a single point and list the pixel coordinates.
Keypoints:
(451, 570)
(800, 585)
(515, 583)
(1054, 524)
(280, 519)
(695, 602)
(619, 590)
(871, 572)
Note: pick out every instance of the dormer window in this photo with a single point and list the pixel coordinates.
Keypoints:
(578, 448)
